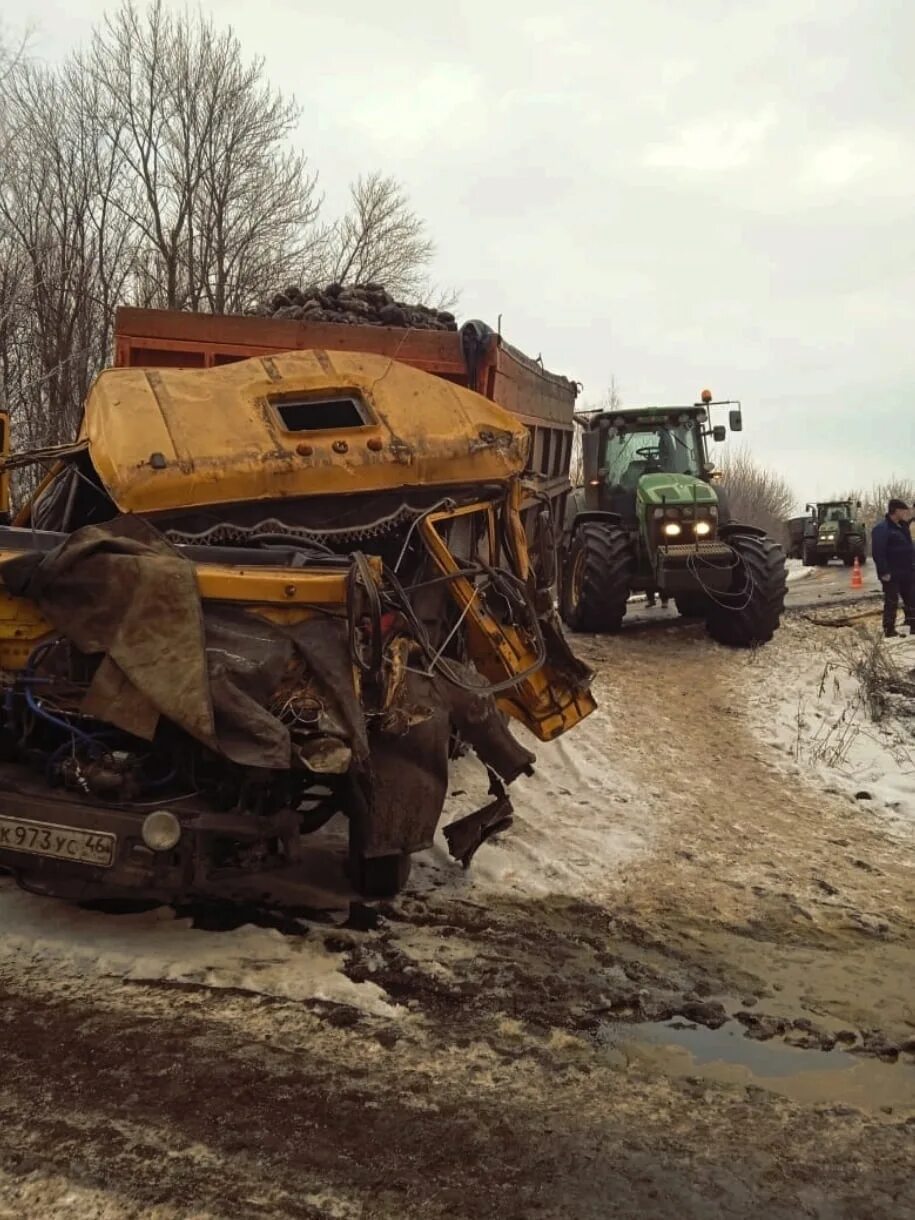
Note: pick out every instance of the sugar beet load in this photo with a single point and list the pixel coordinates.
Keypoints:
(649, 518)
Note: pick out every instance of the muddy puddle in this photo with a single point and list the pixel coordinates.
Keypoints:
(726, 1056)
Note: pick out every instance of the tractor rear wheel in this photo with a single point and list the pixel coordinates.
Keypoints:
(597, 578)
(693, 605)
(751, 611)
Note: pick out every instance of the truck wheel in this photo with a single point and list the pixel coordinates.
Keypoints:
(809, 557)
(597, 578)
(692, 605)
(751, 612)
(380, 876)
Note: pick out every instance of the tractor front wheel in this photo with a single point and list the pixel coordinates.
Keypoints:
(750, 612)
(597, 579)
(809, 557)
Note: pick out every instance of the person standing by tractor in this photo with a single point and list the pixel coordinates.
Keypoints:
(894, 559)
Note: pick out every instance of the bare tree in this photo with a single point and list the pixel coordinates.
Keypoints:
(158, 167)
(221, 204)
(53, 205)
(755, 495)
(611, 400)
(379, 239)
(874, 500)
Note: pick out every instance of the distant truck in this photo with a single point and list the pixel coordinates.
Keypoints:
(832, 529)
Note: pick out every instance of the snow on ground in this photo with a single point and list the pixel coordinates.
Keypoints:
(577, 821)
(797, 571)
(805, 701)
(156, 945)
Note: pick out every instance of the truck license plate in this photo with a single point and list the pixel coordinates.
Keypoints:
(60, 842)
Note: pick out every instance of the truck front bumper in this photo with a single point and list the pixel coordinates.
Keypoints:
(60, 844)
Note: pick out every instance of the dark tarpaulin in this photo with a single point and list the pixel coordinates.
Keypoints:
(122, 591)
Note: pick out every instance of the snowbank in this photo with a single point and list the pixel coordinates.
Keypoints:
(797, 571)
(805, 702)
(70, 942)
(577, 821)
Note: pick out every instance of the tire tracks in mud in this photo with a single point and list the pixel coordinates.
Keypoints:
(792, 893)
(211, 1106)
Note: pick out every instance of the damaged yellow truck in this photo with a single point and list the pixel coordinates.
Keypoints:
(285, 572)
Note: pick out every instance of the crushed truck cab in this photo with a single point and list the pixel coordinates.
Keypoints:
(252, 596)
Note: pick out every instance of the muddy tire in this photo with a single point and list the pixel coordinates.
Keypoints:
(692, 605)
(597, 579)
(751, 612)
(379, 876)
(809, 558)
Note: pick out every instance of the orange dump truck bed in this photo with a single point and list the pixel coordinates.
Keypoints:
(474, 356)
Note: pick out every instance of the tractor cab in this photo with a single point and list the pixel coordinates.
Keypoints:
(834, 513)
(641, 457)
(640, 446)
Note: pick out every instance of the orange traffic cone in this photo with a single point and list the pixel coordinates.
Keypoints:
(856, 580)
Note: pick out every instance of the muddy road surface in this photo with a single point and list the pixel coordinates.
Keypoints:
(683, 985)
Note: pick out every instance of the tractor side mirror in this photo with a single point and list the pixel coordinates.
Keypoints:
(719, 433)
(735, 419)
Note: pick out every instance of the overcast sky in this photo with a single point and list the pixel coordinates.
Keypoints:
(678, 193)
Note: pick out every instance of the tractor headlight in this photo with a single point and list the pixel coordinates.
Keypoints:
(161, 830)
(672, 529)
(703, 528)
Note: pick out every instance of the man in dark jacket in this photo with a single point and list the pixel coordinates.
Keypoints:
(894, 559)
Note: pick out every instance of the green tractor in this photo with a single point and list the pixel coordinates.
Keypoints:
(649, 518)
(832, 530)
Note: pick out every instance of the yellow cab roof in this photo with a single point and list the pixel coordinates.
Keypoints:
(178, 438)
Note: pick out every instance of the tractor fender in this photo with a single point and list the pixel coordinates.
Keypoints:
(575, 517)
(733, 527)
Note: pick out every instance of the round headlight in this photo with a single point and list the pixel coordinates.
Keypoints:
(703, 527)
(161, 830)
(671, 529)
